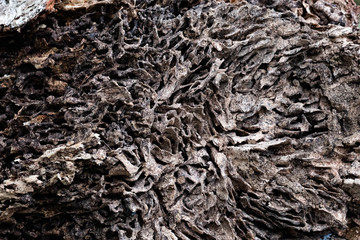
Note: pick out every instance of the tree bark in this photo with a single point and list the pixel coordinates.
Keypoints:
(181, 120)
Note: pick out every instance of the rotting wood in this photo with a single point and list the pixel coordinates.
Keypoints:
(181, 120)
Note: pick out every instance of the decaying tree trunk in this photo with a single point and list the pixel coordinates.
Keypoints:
(182, 120)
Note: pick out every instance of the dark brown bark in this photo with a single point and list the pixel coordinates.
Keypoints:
(181, 120)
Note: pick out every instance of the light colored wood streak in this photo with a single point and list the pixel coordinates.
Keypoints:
(15, 13)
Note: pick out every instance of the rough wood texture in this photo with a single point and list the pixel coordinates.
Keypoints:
(15, 13)
(181, 120)
(317, 13)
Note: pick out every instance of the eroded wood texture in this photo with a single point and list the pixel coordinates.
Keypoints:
(180, 120)
(15, 13)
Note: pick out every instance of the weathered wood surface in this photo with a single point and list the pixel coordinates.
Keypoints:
(182, 120)
(15, 13)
